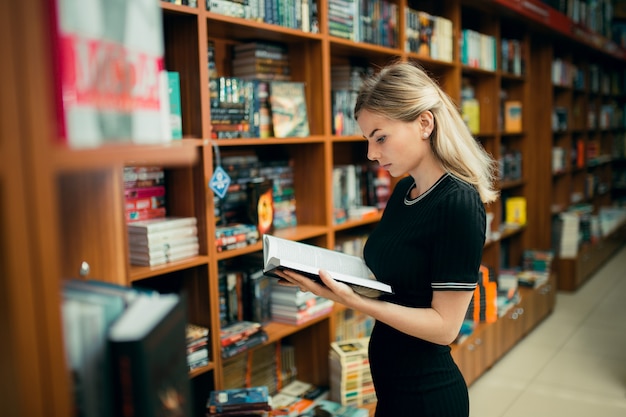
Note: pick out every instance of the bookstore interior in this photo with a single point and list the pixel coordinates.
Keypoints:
(147, 147)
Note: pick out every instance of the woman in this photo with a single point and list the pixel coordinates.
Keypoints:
(428, 244)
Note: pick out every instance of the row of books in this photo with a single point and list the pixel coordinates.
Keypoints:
(110, 332)
(261, 60)
(359, 191)
(190, 3)
(478, 50)
(581, 224)
(294, 14)
(244, 291)
(428, 35)
(272, 365)
(369, 21)
(346, 80)
(248, 295)
(298, 399)
(260, 193)
(595, 15)
(242, 108)
(510, 165)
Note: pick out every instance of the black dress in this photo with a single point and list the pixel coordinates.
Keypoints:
(431, 243)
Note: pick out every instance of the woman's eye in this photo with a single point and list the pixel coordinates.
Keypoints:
(381, 139)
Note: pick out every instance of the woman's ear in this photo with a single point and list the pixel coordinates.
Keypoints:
(427, 122)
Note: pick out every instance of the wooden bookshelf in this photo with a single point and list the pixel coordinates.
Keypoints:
(61, 206)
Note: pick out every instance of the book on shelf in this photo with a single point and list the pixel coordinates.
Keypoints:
(197, 339)
(245, 344)
(515, 211)
(470, 110)
(261, 204)
(280, 254)
(162, 237)
(297, 397)
(164, 255)
(96, 66)
(238, 399)
(330, 408)
(176, 115)
(237, 331)
(88, 312)
(296, 318)
(513, 116)
(148, 346)
(171, 223)
(288, 108)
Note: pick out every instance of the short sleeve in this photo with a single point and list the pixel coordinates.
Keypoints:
(457, 254)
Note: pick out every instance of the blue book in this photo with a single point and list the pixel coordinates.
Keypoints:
(239, 399)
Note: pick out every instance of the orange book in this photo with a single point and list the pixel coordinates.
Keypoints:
(513, 116)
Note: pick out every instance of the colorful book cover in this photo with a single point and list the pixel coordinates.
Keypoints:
(101, 47)
(289, 110)
(470, 110)
(513, 116)
(516, 210)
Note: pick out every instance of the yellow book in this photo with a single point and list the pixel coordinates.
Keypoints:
(516, 210)
(470, 110)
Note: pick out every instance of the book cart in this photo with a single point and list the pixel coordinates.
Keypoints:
(61, 207)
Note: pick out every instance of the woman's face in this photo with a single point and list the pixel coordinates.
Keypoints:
(399, 147)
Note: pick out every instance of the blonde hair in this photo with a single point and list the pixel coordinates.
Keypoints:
(402, 91)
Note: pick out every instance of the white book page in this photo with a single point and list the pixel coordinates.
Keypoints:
(298, 256)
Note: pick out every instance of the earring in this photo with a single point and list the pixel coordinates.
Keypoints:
(425, 135)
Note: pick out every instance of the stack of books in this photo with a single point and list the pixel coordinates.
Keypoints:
(296, 398)
(292, 306)
(262, 61)
(240, 336)
(350, 375)
(197, 346)
(144, 193)
(158, 241)
(253, 401)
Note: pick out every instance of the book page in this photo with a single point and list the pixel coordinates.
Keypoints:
(314, 256)
(309, 259)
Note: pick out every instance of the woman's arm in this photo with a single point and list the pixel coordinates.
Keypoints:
(438, 324)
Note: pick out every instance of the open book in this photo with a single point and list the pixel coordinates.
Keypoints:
(280, 254)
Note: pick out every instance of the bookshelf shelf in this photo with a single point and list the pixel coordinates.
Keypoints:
(70, 201)
(138, 273)
(234, 28)
(174, 154)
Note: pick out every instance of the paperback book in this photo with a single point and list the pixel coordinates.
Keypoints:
(280, 254)
(289, 111)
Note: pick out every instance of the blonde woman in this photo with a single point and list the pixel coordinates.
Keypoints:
(428, 245)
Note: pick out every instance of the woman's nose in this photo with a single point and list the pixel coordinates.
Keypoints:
(372, 154)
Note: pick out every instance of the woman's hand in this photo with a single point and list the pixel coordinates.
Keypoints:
(331, 289)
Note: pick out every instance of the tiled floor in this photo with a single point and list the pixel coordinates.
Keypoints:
(573, 364)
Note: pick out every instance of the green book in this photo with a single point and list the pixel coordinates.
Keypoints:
(176, 117)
